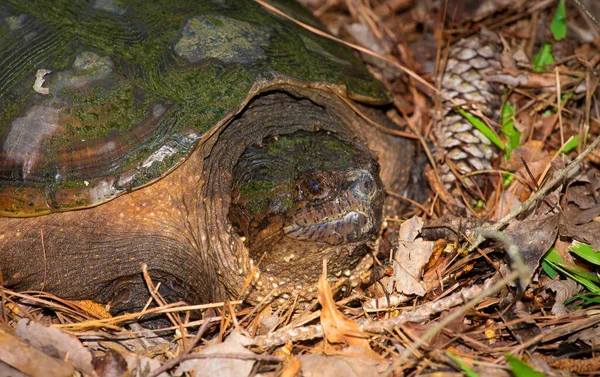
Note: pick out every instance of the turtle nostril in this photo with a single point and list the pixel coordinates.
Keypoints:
(363, 187)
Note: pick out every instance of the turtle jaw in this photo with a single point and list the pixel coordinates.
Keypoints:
(351, 215)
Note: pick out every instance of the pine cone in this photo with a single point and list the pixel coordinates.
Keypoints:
(469, 61)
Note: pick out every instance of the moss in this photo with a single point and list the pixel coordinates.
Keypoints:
(258, 194)
(139, 38)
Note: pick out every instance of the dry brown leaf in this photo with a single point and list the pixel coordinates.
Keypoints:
(337, 328)
(224, 367)
(7, 370)
(136, 364)
(93, 308)
(19, 355)
(292, 369)
(338, 365)
(111, 364)
(534, 236)
(55, 342)
(537, 160)
(564, 290)
(590, 336)
(410, 257)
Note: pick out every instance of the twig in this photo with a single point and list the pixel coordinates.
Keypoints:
(587, 13)
(420, 314)
(513, 252)
(538, 194)
(171, 363)
(497, 287)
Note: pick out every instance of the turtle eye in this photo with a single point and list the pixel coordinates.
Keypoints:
(315, 188)
(377, 168)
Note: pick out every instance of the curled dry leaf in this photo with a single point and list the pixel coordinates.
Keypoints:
(337, 328)
(17, 355)
(58, 344)
(410, 257)
(534, 236)
(111, 364)
(564, 289)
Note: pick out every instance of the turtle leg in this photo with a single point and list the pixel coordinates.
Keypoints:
(131, 293)
(97, 254)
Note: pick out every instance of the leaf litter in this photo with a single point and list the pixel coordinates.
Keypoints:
(417, 303)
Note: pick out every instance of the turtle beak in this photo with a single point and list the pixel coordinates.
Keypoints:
(353, 214)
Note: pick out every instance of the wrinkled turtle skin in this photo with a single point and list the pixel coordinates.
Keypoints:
(139, 132)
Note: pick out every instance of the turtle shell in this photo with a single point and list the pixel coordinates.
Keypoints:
(98, 98)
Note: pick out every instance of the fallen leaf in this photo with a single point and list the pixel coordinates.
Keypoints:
(111, 364)
(411, 255)
(587, 233)
(338, 365)
(337, 328)
(52, 341)
(532, 155)
(17, 354)
(590, 336)
(222, 367)
(141, 366)
(581, 202)
(534, 236)
(564, 289)
(7, 370)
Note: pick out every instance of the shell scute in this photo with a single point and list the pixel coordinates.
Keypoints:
(100, 98)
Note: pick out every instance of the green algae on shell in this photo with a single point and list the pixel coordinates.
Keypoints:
(100, 99)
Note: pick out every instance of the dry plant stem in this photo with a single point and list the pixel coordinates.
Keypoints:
(171, 363)
(420, 314)
(371, 53)
(495, 288)
(587, 13)
(538, 194)
(175, 320)
(513, 252)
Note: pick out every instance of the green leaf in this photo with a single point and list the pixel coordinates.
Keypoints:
(508, 129)
(553, 257)
(559, 24)
(520, 369)
(581, 276)
(468, 371)
(588, 299)
(586, 252)
(549, 269)
(543, 58)
(571, 144)
(550, 262)
(565, 98)
(482, 127)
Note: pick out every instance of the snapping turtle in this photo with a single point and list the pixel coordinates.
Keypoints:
(214, 141)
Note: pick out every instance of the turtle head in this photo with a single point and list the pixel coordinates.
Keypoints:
(300, 198)
(335, 207)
